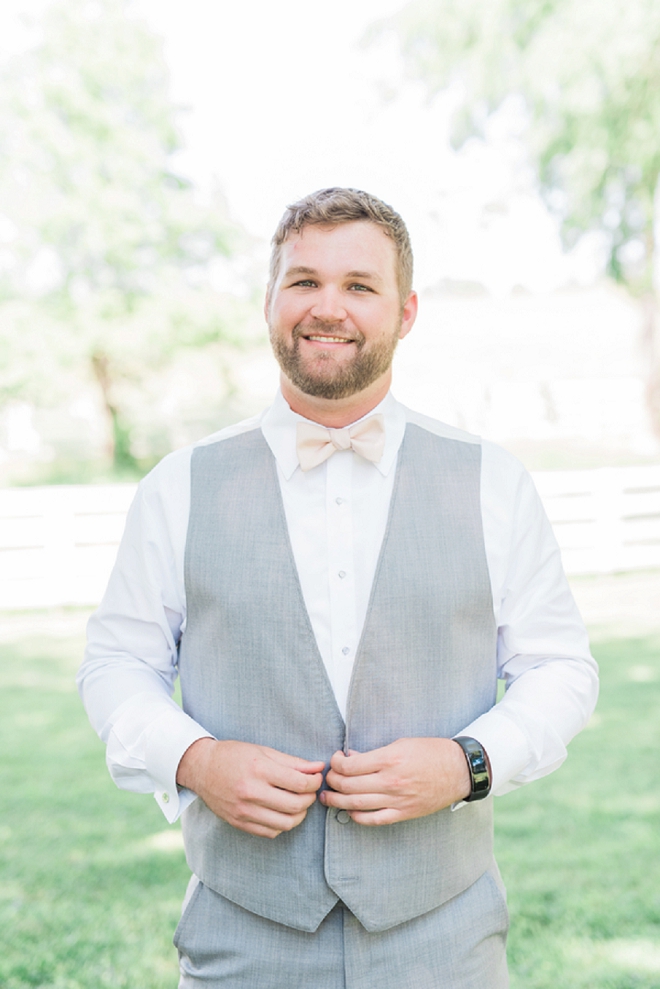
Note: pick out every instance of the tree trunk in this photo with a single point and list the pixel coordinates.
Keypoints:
(651, 343)
(119, 440)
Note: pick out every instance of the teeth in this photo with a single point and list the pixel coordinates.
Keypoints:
(329, 339)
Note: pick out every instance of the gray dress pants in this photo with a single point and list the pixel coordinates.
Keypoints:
(460, 945)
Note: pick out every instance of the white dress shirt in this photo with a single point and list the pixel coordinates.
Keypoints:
(336, 515)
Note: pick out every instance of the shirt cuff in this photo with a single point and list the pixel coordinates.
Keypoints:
(507, 747)
(168, 739)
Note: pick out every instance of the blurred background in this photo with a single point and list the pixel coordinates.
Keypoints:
(147, 151)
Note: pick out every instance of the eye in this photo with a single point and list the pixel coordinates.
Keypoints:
(357, 287)
(305, 283)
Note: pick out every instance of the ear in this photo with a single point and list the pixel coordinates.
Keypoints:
(267, 303)
(409, 315)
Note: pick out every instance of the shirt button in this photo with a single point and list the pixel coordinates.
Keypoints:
(343, 816)
(165, 798)
(345, 651)
(342, 574)
(340, 501)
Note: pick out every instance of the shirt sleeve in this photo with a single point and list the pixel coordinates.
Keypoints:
(543, 657)
(127, 678)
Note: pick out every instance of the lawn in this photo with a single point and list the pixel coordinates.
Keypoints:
(580, 850)
(91, 879)
(89, 892)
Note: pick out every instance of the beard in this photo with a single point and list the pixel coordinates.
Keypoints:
(327, 377)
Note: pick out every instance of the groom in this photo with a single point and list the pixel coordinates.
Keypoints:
(339, 583)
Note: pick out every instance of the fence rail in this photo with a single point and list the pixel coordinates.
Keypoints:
(605, 520)
(58, 544)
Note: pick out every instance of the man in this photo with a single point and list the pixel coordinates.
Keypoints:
(339, 583)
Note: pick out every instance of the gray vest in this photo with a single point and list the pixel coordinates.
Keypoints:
(251, 670)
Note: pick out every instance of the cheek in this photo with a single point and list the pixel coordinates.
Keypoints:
(285, 314)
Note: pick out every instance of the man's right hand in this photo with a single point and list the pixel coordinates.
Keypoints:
(253, 788)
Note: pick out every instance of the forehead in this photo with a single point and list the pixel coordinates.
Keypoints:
(341, 248)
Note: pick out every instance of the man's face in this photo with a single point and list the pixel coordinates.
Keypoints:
(334, 312)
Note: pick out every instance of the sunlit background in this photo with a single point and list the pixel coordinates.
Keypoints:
(147, 151)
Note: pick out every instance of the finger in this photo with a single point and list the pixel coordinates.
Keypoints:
(250, 795)
(282, 776)
(264, 820)
(373, 783)
(260, 803)
(295, 762)
(283, 801)
(358, 801)
(359, 763)
(299, 782)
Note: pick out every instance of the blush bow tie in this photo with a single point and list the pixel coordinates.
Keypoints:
(315, 444)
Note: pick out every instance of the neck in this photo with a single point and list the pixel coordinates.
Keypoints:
(335, 412)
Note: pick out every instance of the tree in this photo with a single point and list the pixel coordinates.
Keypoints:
(106, 246)
(589, 74)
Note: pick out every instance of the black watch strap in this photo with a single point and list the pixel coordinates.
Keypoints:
(478, 765)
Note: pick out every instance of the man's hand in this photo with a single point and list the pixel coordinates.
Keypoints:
(254, 788)
(410, 778)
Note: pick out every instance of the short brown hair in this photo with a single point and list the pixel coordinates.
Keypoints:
(336, 205)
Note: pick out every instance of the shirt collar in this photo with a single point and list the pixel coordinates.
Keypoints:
(278, 424)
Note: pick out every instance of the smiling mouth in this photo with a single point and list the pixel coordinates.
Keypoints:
(318, 338)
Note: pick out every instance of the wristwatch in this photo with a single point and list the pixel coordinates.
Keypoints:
(478, 766)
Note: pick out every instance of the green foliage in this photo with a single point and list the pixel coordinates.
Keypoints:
(107, 248)
(590, 78)
(90, 895)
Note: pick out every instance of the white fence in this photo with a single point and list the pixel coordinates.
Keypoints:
(605, 520)
(57, 544)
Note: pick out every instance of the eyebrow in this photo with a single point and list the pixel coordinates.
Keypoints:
(302, 270)
(370, 275)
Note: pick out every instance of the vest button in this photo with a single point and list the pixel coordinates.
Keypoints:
(343, 816)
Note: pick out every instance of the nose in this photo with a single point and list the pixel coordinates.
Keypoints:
(328, 306)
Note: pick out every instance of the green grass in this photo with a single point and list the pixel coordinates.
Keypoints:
(580, 850)
(86, 900)
(90, 895)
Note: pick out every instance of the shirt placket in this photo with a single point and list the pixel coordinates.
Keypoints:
(341, 572)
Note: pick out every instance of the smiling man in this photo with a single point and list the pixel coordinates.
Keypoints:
(334, 329)
(339, 583)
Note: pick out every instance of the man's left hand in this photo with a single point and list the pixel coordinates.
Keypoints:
(410, 778)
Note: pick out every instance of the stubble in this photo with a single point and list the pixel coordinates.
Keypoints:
(329, 378)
